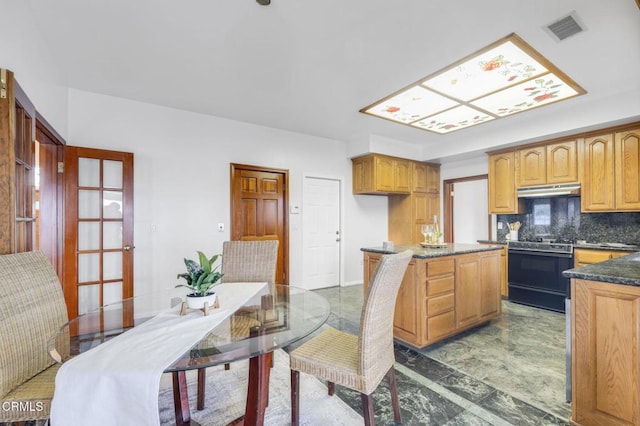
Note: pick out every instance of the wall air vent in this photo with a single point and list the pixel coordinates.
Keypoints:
(566, 27)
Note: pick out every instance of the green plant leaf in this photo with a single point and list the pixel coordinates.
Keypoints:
(204, 262)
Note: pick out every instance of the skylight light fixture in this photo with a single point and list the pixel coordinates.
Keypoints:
(504, 78)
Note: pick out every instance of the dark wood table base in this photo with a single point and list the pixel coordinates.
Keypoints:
(257, 394)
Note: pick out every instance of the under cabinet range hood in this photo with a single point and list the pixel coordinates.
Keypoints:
(549, 190)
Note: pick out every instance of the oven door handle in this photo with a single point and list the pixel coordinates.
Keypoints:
(540, 253)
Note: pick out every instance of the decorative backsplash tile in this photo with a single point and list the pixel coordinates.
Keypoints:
(560, 218)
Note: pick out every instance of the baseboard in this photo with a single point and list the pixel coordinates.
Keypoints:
(350, 283)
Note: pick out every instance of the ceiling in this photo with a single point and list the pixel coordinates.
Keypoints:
(310, 66)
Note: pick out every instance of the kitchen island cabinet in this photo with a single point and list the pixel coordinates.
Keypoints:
(444, 291)
(605, 342)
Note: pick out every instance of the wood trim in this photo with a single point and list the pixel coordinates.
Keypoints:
(447, 188)
(588, 134)
(7, 168)
(43, 125)
(285, 207)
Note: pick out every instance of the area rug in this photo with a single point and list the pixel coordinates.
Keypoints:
(227, 392)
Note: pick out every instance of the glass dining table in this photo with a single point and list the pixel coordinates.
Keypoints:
(274, 319)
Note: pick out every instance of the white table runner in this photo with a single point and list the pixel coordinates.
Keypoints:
(117, 382)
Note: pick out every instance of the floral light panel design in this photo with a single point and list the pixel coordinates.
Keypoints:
(507, 77)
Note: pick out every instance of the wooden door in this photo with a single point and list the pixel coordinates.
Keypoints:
(17, 167)
(562, 162)
(98, 243)
(532, 166)
(597, 192)
(259, 206)
(502, 188)
(627, 167)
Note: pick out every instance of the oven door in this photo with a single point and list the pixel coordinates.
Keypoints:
(535, 278)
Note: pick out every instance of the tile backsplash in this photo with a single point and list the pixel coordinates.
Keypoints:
(560, 218)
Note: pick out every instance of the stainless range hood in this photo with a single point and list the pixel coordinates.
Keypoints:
(549, 190)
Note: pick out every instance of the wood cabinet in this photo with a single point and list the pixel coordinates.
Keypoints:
(627, 170)
(440, 297)
(531, 166)
(381, 174)
(583, 257)
(606, 353)
(502, 186)
(548, 164)
(597, 173)
(610, 172)
(562, 162)
(425, 177)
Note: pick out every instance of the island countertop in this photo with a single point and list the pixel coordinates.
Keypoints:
(622, 270)
(448, 249)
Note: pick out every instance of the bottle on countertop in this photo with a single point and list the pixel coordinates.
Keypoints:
(436, 231)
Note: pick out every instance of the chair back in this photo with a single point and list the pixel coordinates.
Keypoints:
(376, 322)
(249, 261)
(32, 308)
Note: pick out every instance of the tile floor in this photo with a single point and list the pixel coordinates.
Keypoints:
(508, 372)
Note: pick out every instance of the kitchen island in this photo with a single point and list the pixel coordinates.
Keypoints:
(445, 290)
(605, 342)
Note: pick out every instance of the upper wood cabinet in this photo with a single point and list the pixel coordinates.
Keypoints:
(597, 173)
(502, 188)
(548, 164)
(610, 172)
(562, 162)
(627, 170)
(380, 174)
(532, 166)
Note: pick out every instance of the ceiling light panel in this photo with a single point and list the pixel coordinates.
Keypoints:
(504, 78)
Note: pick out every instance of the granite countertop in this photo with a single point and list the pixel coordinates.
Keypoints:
(622, 270)
(492, 242)
(607, 246)
(449, 249)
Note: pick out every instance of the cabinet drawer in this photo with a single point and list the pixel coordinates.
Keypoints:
(440, 285)
(439, 304)
(591, 256)
(441, 325)
(440, 267)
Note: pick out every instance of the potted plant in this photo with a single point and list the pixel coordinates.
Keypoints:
(201, 278)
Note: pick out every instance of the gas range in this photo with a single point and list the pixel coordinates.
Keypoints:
(545, 247)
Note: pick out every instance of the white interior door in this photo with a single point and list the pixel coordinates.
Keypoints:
(470, 219)
(321, 233)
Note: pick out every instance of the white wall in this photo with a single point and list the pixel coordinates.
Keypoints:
(23, 50)
(181, 180)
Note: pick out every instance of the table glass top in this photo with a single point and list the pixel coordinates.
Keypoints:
(265, 323)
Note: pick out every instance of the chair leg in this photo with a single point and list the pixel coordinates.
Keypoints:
(391, 378)
(367, 409)
(227, 366)
(331, 388)
(202, 383)
(295, 397)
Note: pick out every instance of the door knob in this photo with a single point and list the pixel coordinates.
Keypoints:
(337, 239)
(127, 248)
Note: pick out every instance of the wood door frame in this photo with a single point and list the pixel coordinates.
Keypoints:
(285, 208)
(44, 129)
(447, 188)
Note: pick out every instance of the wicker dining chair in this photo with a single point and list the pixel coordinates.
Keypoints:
(358, 362)
(32, 308)
(243, 261)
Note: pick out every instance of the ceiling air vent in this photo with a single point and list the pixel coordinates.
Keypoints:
(566, 26)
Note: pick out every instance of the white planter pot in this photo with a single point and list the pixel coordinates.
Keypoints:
(197, 302)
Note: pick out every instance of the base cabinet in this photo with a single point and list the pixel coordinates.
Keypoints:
(606, 353)
(583, 257)
(440, 297)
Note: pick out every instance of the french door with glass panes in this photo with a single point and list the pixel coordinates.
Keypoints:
(98, 243)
